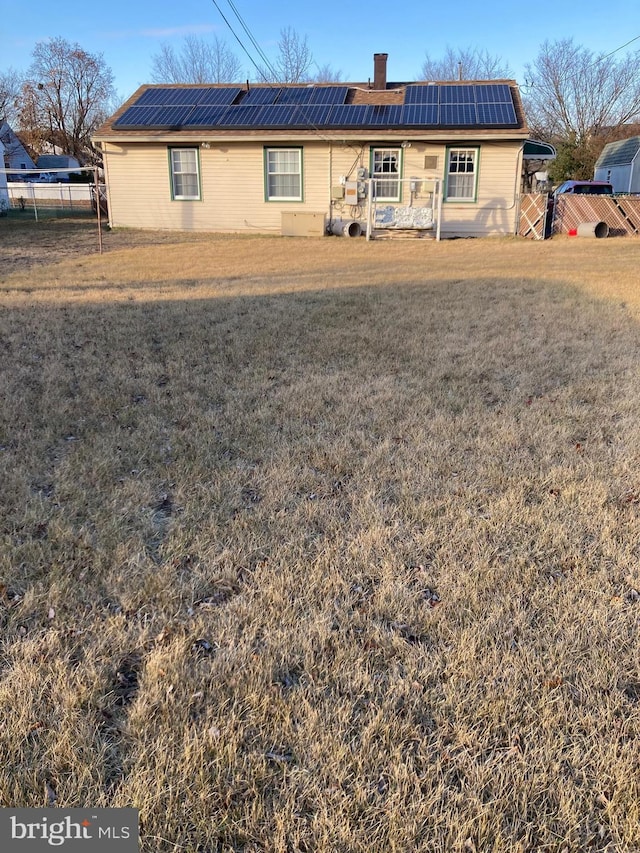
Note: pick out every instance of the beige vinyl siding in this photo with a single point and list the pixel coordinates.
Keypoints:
(495, 207)
(232, 184)
(493, 211)
(232, 181)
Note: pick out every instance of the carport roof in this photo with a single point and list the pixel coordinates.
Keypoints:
(534, 150)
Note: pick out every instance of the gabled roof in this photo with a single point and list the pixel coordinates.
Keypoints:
(475, 108)
(14, 149)
(57, 161)
(620, 153)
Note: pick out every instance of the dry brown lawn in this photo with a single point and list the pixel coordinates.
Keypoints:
(320, 545)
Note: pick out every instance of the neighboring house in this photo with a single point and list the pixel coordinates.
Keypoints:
(247, 157)
(4, 193)
(619, 164)
(16, 158)
(54, 162)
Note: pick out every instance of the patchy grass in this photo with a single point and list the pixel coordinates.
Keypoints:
(322, 545)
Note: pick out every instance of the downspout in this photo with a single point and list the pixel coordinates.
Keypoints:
(107, 182)
(518, 190)
(330, 185)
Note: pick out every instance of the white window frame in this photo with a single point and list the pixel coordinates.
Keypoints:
(464, 156)
(380, 175)
(272, 170)
(184, 171)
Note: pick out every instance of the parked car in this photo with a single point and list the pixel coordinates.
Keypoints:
(575, 188)
(41, 178)
(584, 188)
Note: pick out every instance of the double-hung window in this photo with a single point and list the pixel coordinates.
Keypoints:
(185, 174)
(462, 174)
(283, 174)
(385, 169)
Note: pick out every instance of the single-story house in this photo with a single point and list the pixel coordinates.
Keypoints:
(15, 157)
(619, 164)
(296, 158)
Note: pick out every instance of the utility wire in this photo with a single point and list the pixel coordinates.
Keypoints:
(622, 46)
(298, 107)
(245, 27)
(531, 85)
(239, 40)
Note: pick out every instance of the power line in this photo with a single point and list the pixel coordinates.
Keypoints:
(622, 47)
(245, 27)
(531, 85)
(238, 39)
(298, 107)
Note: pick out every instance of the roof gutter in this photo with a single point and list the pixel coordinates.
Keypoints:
(345, 136)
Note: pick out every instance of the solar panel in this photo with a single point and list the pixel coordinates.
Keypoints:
(420, 114)
(457, 94)
(206, 116)
(223, 96)
(282, 115)
(135, 116)
(329, 95)
(494, 93)
(188, 95)
(347, 115)
(260, 95)
(165, 97)
(427, 94)
(498, 114)
(387, 115)
(241, 116)
(170, 116)
(314, 114)
(296, 95)
(154, 116)
(458, 114)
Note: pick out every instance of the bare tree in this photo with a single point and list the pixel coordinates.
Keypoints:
(326, 74)
(468, 63)
(10, 86)
(293, 62)
(67, 95)
(580, 101)
(198, 61)
(573, 92)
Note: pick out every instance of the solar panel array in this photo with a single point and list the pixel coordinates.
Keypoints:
(425, 105)
(461, 105)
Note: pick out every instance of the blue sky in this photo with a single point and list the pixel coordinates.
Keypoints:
(345, 35)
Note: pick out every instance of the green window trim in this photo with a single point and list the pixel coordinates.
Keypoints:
(462, 153)
(184, 177)
(283, 175)
(398, 151)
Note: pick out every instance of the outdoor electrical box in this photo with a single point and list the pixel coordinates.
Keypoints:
(351, 192)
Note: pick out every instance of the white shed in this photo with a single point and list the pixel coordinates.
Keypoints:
(619, 164)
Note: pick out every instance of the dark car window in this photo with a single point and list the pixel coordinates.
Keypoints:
(591, 189)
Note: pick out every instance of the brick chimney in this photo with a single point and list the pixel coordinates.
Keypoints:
(380, 70)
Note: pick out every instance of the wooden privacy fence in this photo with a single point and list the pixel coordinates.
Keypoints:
(533, 216)
(620, 212)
